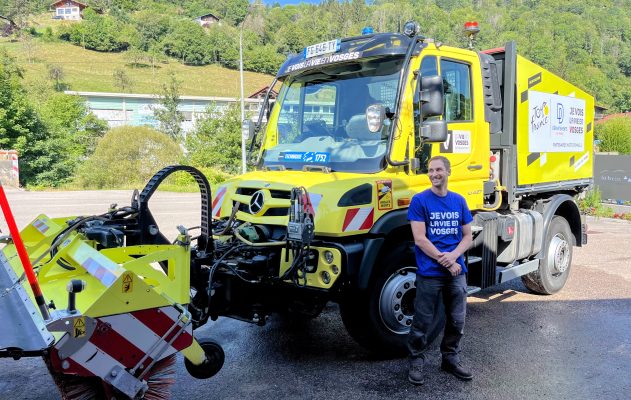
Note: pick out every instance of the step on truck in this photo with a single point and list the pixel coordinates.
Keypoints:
(323, 217)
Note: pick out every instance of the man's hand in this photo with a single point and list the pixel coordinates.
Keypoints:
(447, 259)
(454, 269)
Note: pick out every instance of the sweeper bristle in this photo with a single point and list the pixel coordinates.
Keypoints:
(159, 380)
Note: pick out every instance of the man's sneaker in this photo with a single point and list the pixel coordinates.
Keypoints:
(457, 370)
(415, 374)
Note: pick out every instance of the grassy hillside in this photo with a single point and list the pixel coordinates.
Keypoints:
(86, 70)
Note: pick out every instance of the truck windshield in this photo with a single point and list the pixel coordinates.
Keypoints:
(322, 119)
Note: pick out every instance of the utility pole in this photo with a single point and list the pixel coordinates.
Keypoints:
(243, 137)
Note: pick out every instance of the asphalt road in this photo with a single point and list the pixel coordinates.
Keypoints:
(572, 345)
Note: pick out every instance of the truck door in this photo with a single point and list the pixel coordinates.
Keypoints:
(467, 144)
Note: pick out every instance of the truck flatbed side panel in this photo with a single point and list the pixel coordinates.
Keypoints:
(555, 128)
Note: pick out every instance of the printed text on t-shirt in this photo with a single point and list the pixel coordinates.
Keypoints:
(444, 223)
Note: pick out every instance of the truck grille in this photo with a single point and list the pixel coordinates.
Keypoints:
(275, 194)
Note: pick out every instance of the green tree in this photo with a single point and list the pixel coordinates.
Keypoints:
(263, 59)
(97, 32)
(56, 73)
(167, 114)
(216, 141)
(17, 12)
(151, 28)
(68, 119)
(224, 45)
(189, 43)
(21, 128)
(126, 156)
(122, 81)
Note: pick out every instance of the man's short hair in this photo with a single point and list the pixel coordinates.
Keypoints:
(444, 159)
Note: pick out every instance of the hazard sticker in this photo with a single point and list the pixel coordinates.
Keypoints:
(384, 195)
(78, 327)
(128, 283)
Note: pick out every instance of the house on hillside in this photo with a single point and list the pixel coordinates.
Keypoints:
(207, 20)
(68, 9)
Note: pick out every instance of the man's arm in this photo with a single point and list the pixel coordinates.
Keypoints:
(421, 240)
(449, 258)
(418, 231)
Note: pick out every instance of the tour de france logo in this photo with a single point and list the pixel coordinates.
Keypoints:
(540, 116)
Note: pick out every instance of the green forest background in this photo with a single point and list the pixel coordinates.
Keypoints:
(154, 46)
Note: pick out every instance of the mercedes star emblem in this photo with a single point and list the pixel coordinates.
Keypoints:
(256, 202)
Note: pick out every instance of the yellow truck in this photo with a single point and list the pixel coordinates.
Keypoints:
(351, 132)
(322, 218)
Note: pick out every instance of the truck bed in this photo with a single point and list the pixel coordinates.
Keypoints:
(546, 132)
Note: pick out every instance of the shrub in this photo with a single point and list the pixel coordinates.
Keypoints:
(591, 204)
(182, 180)
(615, 135)
(128, 156)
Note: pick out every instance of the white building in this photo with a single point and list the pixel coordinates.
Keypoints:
(68, 9)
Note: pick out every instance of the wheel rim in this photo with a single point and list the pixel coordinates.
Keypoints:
(558, 255)
(396, 301)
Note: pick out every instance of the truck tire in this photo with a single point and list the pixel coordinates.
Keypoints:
(379, 318)
(554, 267)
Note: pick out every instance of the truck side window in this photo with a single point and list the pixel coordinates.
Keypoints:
(457, 82)
(429, 66)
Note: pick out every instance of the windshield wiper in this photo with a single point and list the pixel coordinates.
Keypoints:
(322, 168)
(275, 167)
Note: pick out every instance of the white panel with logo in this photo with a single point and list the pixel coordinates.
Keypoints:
(556, 123)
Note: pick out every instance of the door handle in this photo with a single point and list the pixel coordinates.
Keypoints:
(474, 167)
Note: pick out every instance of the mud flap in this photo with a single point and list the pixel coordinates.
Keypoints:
(22, 329)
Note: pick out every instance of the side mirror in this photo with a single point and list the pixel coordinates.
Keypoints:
(434, 131)
(247, 129)
(375, 115)
(431, 96)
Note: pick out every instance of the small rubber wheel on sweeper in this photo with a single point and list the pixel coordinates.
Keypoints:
(215, 358)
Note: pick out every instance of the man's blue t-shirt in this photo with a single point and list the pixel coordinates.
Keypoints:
(444, 218)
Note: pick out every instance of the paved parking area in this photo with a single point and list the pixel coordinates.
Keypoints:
(572, 345)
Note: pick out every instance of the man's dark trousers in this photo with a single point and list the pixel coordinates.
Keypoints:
(452, 291)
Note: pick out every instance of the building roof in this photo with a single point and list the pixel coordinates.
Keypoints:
(208, 15)
(263, 91)
(62, 3)
(152, 96)
(606, 117)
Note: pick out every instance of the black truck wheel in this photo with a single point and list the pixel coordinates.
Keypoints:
(554, 267)
(379, 318)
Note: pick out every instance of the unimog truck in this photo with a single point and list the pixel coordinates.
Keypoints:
(347, 145)
(322, 218)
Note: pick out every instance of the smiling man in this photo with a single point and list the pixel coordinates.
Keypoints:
(440, 222)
